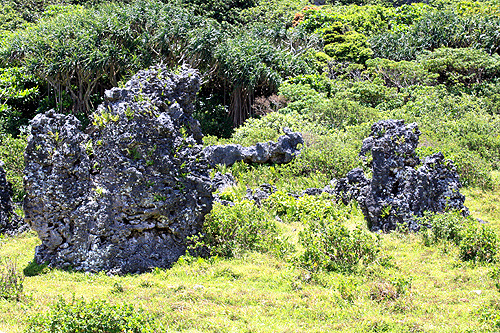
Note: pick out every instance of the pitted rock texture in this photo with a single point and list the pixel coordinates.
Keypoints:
(125, 195)
(10, 222)
(397, 193)
(280, 152)
(261, 193)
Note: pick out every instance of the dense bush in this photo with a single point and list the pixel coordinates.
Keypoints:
(230, 230)
(479, 243)
(221, 10)
(10, 19)
(331, 246)
(213, 117)
(346, 45)
(19, 94)
(12, 154)
(92, 317)
(304, 208)
(442, 227)
(333, 154)
(400, 74)
(367, 19)
(476, 241)
(463, 66)
(435, 29)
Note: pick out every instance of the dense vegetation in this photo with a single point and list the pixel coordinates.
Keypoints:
(290, 264)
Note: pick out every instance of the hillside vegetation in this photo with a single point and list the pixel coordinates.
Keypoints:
(303, 264)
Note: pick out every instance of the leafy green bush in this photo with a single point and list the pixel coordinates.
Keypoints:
(221, 10)
(213, 118)
(489, 315)
(464, 66)
(442, 227)
(11, 281)
(400, 74)
(435, 29)
(12, 154)
(369, 93)
(320, 83)
(332, 154)
(92, 317)
(303, 208)
(331, 246)
(479, 243)
(366, 19)
(19, 93)
(271, 11)
(476, 241)
(229, 230)
(340, 113)
(10, 19)
(347, 45)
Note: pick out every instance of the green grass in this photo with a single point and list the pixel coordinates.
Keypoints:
(259, 293)
(411, 288)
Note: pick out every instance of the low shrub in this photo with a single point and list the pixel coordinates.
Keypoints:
(303, 208)
(332, 154)
(230, 230)
(92, 317)
(12, 154)
(476, 241)
(489, 316)
(465, 66)
(331, 246)
(442, 227)
(479, 243)
(11, 281)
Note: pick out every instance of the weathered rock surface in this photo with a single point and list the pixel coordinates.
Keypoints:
(397, 191)
(261, 193)
(282, 151)
(125, 195)
(10, 222)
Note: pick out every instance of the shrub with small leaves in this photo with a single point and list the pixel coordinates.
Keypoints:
(442, 227)
(304, 208)
(229, 230)
(331, 246)
(479, 243)
(92, 317)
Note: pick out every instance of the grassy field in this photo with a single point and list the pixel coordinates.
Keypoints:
(412, 288)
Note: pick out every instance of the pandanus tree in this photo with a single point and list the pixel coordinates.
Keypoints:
(248, 64)
(87, 48)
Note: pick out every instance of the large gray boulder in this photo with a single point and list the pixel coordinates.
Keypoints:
(399, 192)
(124, 196)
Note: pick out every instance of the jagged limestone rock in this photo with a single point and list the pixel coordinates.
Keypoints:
(125, 195)
(397, 193)
(282, 151)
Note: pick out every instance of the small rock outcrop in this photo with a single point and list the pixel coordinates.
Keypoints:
(125, 195)
(10, 222)
(280, 152)
(398, 191)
